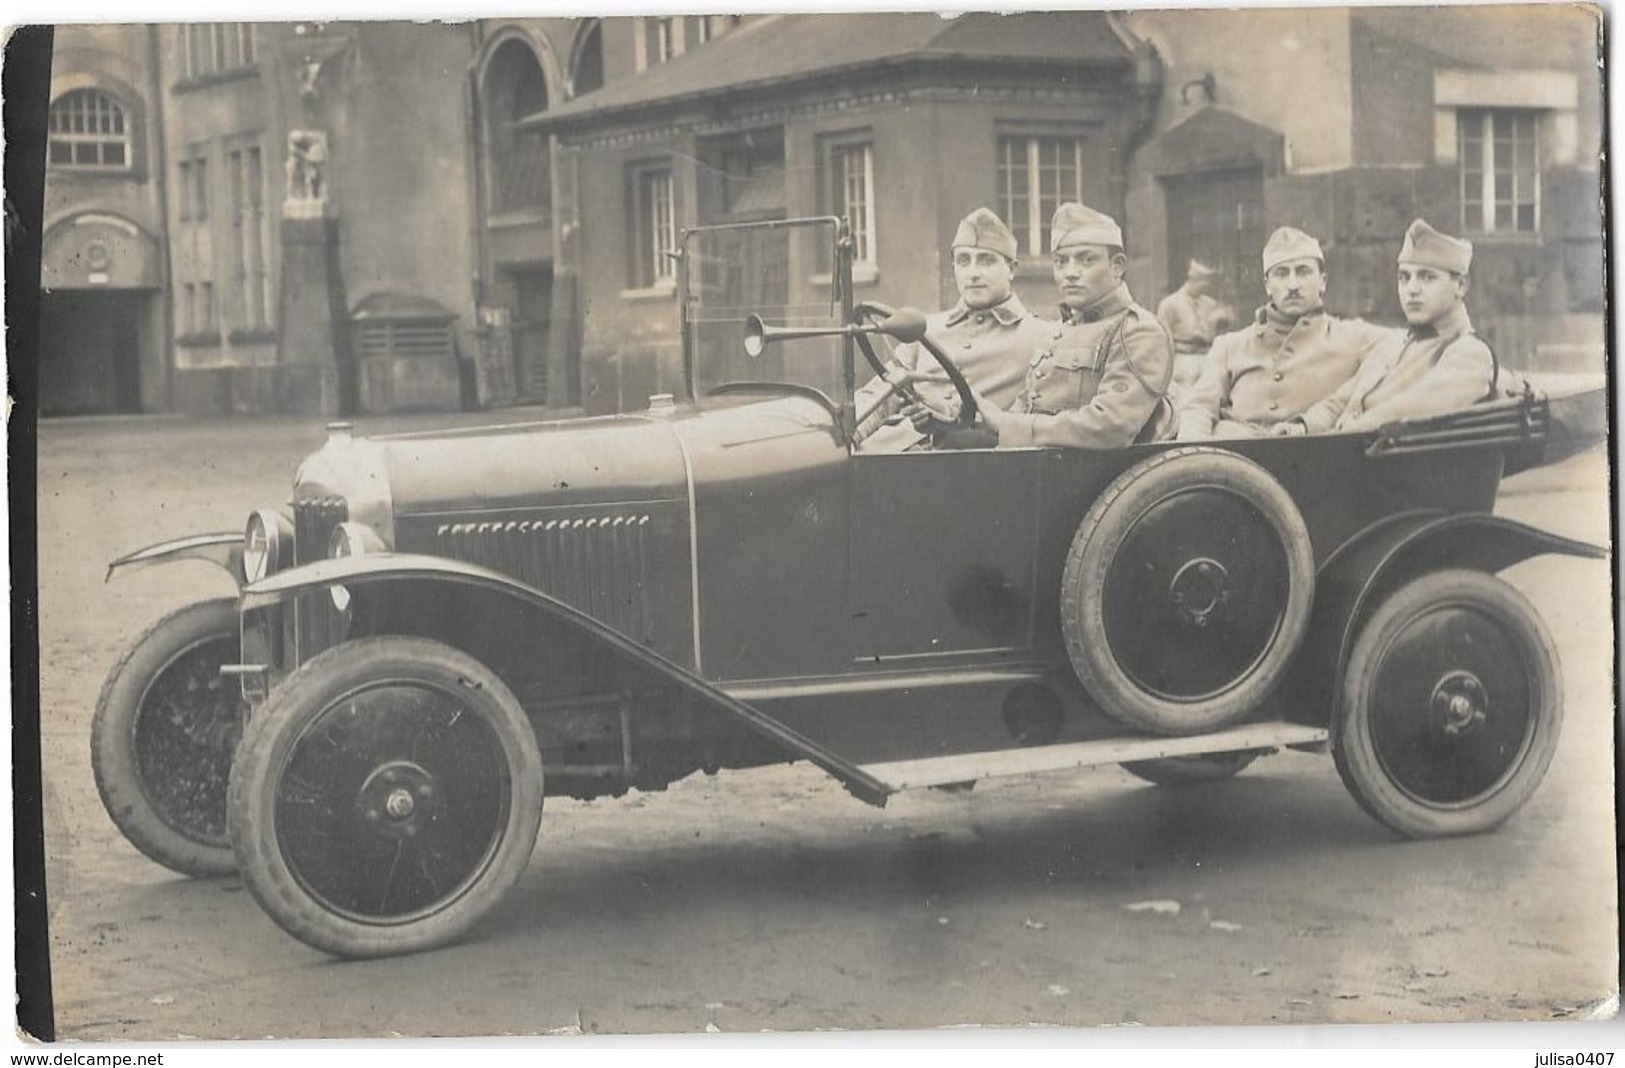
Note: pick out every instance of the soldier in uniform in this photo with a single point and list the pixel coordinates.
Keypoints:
(1291, 356)
(1193, 318)
(988, 333)
(1100, 379)
(1436, 366)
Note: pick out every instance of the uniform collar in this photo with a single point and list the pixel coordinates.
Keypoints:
(1008, 312)
(1110, 304)
(1452, 324)
(1262, 317)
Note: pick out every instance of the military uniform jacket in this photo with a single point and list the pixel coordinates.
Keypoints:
(991, 346)
(1191, 321)
(1255, 377)
(1096, 381)
(1411, 374)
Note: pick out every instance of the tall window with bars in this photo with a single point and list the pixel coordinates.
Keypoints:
(211, 48)
(849, 183)
(654, 228)
(1036, 176)
(1499, 151)
(252, 280)
(88, 130)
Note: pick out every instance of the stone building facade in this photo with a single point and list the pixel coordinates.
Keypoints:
(369, 217)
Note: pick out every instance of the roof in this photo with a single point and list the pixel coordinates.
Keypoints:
(784, 49)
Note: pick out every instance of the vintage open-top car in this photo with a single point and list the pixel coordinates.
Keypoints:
(453, 624)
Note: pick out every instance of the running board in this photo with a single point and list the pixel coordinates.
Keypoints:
(970, 767)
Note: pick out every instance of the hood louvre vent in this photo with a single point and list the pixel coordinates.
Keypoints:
(598, 564)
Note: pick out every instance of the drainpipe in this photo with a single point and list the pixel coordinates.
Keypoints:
(159, 162)
(476, 204)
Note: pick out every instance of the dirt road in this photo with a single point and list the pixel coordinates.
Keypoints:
(772, 900)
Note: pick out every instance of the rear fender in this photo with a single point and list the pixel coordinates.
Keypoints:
(353, 571)
(223, 549)
(1381, 558)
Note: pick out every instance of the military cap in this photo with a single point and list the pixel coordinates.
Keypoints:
(983, 229)
(1426, 247)
(1289, 243)
(1199, 270)
(1075, 224)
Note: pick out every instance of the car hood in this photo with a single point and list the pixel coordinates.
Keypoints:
(584, 461)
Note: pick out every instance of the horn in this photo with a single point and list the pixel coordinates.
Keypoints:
(759, 335)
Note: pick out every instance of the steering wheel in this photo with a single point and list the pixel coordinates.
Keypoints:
(907, 325)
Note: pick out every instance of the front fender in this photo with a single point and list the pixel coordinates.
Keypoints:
(398, 567)
(223, 549)
(1384, 556)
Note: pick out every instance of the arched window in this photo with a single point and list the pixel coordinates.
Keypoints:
(587, 60)
(89, 130)
(515, 88)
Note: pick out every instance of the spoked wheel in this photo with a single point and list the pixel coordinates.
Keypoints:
(386, 797)
(1451, 706)
(1187, 770)
(161, 743)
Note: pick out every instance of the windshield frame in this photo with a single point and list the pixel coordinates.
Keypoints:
(841, 298)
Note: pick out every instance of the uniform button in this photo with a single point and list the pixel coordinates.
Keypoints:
(1275, 406)
(1279, 376)
(966, 345)
(981, 318)
(1058, 335)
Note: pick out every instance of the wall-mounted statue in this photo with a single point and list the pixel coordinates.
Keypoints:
(306, 165)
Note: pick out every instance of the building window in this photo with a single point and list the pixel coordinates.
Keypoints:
(658, 40)
(192, 189)
(713, 26)
(515, 88)
(587, 64)
(654, 228)
(849, 192)
(89, 131)
(251, 276)
(1036, 176)
(1500, 170)
(208, 49)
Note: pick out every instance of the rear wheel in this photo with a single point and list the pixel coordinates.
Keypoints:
(1451, 706)
(1187, 589)
(1187, 770)
(161, 742)
(386, 797)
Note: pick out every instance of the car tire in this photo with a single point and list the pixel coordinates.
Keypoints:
(1450, 707)
(1190, 770)
(1187, 590)
(163, 734)
(386, 797)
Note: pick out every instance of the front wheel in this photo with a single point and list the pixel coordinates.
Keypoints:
(1451, 706)
(385, 797)
(161, 742)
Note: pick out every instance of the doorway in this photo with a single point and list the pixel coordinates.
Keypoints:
(89, 352)
(530, 287)
(1218, 217)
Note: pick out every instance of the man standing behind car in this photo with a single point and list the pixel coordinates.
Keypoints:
(1100, 378)
(1436, 366)
(1193, 318)
(988, 333)
(1292, 355)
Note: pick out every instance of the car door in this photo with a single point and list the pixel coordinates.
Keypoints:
(943, 546)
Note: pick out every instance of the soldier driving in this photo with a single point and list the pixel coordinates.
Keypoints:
(988, 333)
(1100, 379)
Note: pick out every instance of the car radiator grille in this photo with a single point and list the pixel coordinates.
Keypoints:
(598, 564)
(313, 521)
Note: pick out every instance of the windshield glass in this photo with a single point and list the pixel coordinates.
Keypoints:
(780, 271)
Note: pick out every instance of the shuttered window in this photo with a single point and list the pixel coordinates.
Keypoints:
(404, 338)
